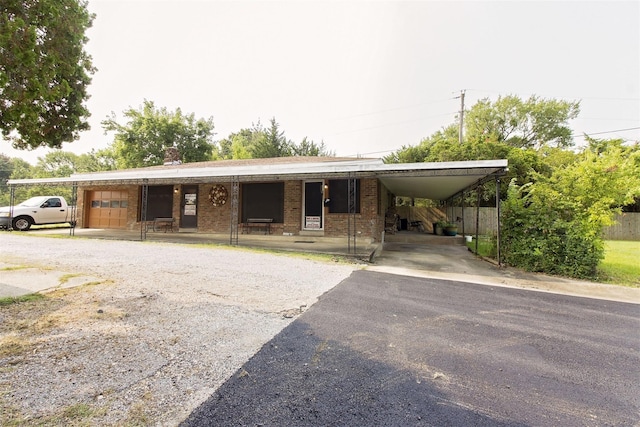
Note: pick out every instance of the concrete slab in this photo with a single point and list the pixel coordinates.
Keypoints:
(15, 281)
(455, 262)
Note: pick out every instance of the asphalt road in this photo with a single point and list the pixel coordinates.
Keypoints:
(382, 349)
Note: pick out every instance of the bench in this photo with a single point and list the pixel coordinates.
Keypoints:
(165, 224)
(260, 223)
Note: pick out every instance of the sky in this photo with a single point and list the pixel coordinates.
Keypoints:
(364, 77)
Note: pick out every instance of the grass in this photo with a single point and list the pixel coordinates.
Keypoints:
(486, 246)
(621, 263)
(78, 414)
(17, 300)
(620, 266)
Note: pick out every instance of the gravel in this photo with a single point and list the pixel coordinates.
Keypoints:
(165, 326)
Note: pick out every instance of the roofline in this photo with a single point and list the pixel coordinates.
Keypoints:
(359, 167)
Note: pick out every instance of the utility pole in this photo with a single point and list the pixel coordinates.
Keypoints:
(461, 116)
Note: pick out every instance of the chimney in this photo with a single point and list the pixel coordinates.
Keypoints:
(171, 156)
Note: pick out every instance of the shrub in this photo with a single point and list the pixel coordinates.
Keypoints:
(543, 231)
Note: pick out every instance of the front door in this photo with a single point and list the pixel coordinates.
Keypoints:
(189, 207)
(313, 205)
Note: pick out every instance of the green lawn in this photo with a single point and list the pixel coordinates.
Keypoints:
(620, 266)
(621, 263)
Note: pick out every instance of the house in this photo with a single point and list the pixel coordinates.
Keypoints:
(318, 196)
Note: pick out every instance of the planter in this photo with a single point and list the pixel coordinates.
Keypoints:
(451, 230)
(438, 229)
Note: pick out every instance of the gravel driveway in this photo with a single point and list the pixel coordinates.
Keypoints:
(163, 328)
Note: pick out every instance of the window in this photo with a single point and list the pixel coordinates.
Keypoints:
(263, 200)
(159, 202)
(54, 203)
(339, 196)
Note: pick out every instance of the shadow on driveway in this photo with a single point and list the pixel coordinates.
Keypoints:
(381, 349)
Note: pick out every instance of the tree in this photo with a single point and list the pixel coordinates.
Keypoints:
(274, 144)
(19, 169)
(531, 135)
(6, 169)
(149, 131)
(258, 142)
(240, 145)
(533, 123)
(65, 163)
(44, 71)
(310, 148)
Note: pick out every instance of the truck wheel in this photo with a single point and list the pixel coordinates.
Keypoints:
(22, 223)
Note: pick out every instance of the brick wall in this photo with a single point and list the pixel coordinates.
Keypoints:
(217, 219)
(367, 223)
(292, 207)
(211, 219)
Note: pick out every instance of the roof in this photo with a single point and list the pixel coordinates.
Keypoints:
(438, 180)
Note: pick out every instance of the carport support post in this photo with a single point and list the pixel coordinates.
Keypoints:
(498, 219)
(12, 201)
(73, 209)
(463, 233)
(477, 218)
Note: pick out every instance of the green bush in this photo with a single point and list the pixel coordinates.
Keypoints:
(544, 233)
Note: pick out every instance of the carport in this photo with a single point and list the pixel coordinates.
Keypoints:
(438, 181)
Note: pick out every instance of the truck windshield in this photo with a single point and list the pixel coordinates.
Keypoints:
(32, 202)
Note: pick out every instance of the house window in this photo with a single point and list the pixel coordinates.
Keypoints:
(159, 202)
(339, 196)
(263, 200)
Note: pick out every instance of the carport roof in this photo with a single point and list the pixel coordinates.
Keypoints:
(437, 181)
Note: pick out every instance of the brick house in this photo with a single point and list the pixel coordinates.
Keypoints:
(318, 196)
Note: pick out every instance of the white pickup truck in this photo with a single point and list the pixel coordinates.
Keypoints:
(37, 211)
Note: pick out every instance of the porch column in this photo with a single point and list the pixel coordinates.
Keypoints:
(235, 191)
(143, 209)
(351, 216)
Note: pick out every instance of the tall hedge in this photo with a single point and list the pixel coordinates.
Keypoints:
(543, 233)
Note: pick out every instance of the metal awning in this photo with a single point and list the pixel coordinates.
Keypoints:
(437, 180)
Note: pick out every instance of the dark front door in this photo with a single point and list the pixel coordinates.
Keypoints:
(189, 207)
(313, 205)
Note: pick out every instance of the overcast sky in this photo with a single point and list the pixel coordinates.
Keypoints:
(364, 77)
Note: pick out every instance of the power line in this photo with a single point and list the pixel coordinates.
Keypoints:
(611, 131)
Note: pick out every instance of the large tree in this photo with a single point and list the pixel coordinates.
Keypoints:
(533, 123)
(274, 144)
(258, 142)
(44, 71)
(149, 131)
(240, 145)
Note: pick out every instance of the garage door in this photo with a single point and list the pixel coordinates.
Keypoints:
(107, 209)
